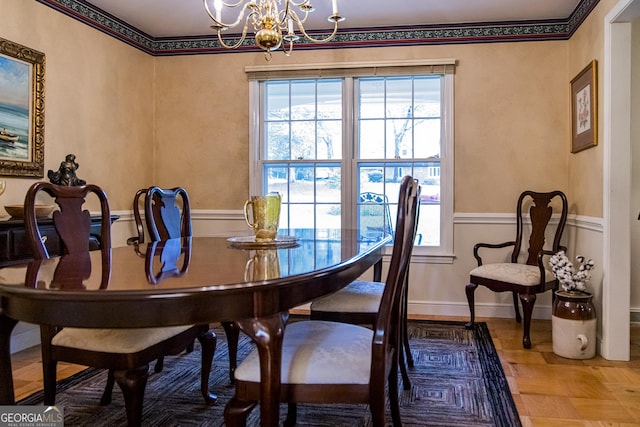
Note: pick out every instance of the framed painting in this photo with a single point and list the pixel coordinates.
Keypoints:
(21, 110)
(584, 108)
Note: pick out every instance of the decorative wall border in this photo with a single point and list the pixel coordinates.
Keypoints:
(516, 31)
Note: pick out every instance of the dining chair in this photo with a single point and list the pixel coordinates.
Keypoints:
(358, 302)
(167, 214)
(332, 362)
(126, 353)
(164, 219)
(523, 279)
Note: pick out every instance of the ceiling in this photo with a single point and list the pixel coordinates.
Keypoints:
(176, 18)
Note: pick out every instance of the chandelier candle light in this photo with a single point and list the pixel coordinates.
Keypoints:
(273, 22)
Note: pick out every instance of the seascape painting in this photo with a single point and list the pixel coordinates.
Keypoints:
(15, 94)
(21, 110)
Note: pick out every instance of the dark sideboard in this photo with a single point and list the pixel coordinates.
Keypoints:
(14, 248)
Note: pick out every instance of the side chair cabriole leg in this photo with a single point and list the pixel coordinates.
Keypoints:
(470, 290)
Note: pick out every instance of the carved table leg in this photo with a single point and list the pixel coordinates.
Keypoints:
(267, 333)
(6, 376)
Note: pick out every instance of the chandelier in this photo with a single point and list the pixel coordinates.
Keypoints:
(273, 22)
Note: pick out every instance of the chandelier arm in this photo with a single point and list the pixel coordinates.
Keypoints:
(285, 15)
(315, 40)
(250, 5)
(288, 51)
(239, 43)
(297, 18)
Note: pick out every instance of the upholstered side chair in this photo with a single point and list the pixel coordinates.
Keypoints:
(331, 362)
(358, 302)
(527, 274)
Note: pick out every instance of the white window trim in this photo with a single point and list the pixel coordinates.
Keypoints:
(445, 252)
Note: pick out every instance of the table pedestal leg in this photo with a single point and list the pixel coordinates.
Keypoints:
(267, 333)
(6, 376)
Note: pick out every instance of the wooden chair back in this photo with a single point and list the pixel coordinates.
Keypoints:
(540, 213)
(163, 216)
(72, 222)
(389, 319)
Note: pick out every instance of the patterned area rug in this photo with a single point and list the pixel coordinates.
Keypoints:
(457, 380)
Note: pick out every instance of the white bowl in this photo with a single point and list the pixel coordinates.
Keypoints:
(17, 211)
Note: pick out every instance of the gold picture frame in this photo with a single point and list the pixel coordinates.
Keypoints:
(21, 110)
(584, 108)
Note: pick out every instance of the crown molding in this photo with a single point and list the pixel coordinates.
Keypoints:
(516, 31)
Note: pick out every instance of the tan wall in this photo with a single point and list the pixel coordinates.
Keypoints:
(202, 128)
(585, 167)
(98, 102)
(511, 130)
(510, 120)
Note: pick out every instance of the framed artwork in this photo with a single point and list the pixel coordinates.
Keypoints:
(584, 108)
(21, 110)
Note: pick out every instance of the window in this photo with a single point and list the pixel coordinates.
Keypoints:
(337, 147)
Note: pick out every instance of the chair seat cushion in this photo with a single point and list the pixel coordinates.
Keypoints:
(114, 340)
(318, 352)
(508, 272)
(357, 297)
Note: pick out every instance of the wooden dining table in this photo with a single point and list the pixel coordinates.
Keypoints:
(214, 279)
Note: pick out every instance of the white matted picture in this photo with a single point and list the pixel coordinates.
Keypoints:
(584, 108)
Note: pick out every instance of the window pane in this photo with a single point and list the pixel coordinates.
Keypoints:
(329, 216)
(428, 175)
(399, 97)
(303, 100)
(393, 174)
(275, 180)
(370, 179)
(428, 232)
(399, 139)
(427, 138)
(328, 188)
(329, 140)
(371, 103)
(302, 216)
(427, 96)
(303, 140)
(277, 100)
(329, 99)
(371, 139)
(301, 184)
(277, 141)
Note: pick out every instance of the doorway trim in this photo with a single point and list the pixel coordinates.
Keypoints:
(616, 286)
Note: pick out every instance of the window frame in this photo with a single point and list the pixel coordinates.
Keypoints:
(437, 254)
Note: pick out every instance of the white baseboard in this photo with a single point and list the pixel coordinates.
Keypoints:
(482, 310)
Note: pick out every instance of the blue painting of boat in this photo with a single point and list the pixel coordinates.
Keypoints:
(15, 95)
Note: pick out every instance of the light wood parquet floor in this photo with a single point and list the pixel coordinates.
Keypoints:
(548, 390)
